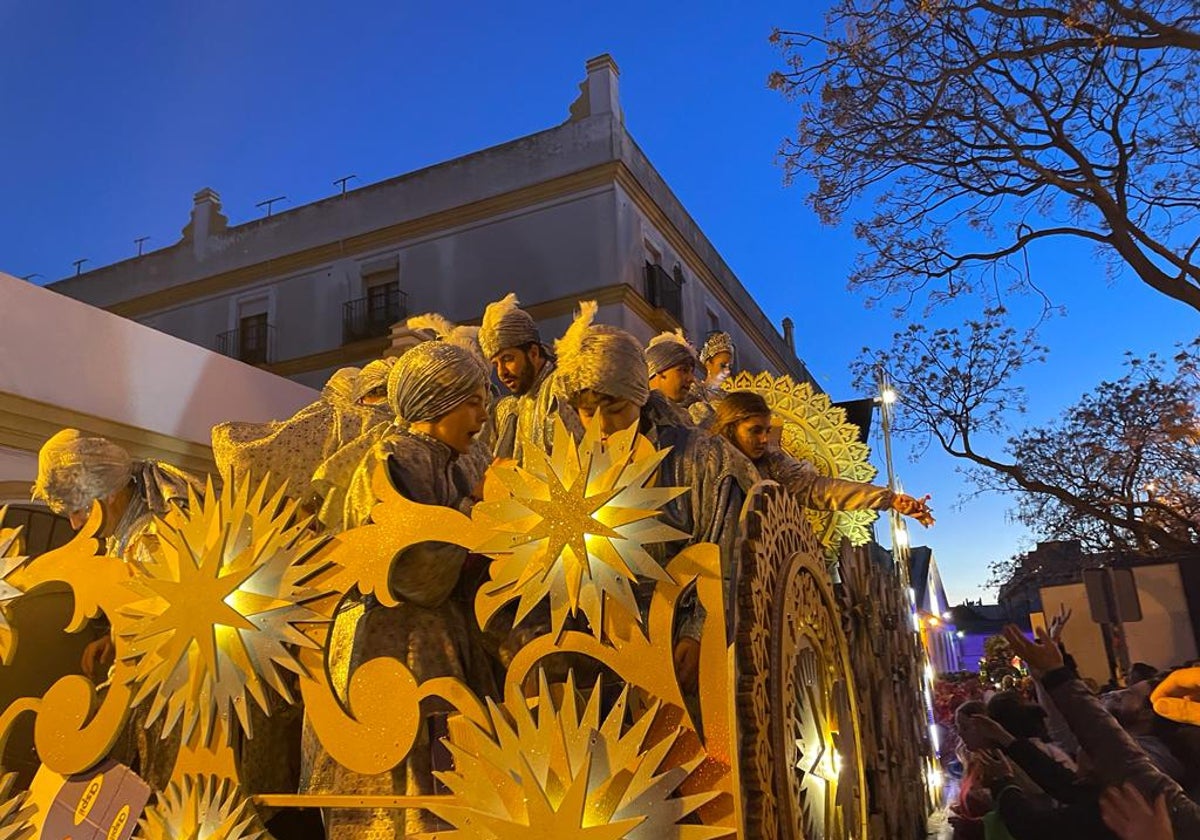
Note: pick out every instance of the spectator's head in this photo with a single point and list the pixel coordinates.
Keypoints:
(1014, 713)
(1131, 707)
(1140, 672)
(967, 709)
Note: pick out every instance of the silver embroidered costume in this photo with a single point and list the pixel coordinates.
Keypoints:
(432, 630)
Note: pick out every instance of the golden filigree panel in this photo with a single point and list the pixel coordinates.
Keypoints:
(801, 772)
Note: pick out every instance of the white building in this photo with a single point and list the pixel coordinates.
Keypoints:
(573, 212)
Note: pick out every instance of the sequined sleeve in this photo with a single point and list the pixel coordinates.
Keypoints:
(821, 492)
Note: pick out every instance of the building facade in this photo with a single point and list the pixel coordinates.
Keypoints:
(570, 213)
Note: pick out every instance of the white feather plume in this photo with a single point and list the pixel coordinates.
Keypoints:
(439, 325)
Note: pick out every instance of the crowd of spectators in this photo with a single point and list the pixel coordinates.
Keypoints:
(1072, 762)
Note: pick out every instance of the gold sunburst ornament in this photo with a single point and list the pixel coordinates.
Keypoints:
(203, 808)
(10, 559)
(223, 594)
(573, 526)
(559, 770)
(16, 814)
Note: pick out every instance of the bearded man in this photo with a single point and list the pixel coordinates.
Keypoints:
(510, 341)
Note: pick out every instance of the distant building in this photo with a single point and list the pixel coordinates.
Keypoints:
(974, 623)
(937, 630)
(1051, 577)
(574, 212)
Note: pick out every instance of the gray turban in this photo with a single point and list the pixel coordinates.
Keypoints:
(75, 470)
(718, 342)
(668, 350)
(432, 379)
(504, 325)
(601, 358)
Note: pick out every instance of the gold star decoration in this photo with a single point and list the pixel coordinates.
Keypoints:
(573, 526)
(16, 814)
(203, 808)
(558, 770)
(223, 590)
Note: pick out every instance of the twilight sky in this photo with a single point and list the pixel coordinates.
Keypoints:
(112, 115)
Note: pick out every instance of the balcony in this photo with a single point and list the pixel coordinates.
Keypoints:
(253, 344)
(372, 316)
(664, 291)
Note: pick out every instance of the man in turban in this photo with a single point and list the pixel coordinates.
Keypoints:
(510, 341)
(604, 376)
(440, 390)
(76, 470)
(671, 363)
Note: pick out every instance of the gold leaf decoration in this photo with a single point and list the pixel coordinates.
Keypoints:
(222, 596)
(200, 808)
(15, 814)
(573, 526)
(559, 770)
(816, 430)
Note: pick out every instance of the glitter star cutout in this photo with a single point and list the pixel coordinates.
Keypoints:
(222, 595)
(573, 527)
(200, 809)
(558, 771)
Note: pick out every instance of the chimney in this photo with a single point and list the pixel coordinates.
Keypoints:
(599, 93)
(789, 334)
(207, 221)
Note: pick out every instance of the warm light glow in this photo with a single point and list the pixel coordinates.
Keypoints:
(947, 615)
(961, 634)
(933, 621)
(888, 395)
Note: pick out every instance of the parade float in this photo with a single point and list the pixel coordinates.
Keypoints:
(809, 721)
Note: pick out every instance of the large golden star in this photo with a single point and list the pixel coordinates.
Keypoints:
(572, 527)
(222, 594)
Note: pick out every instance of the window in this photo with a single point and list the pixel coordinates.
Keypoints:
(664, 291)
(252, 341)
(253, 334)
(714, 321)
(382, 304)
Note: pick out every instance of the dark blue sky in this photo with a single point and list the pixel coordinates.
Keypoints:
(112, 115)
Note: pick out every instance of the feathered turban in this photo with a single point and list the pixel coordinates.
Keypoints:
(667, 350)
(601, 358)
(718, 342)
(505, 325)
(75, 469)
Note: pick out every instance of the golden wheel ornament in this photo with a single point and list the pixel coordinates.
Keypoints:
(801, 769)
(816, 430)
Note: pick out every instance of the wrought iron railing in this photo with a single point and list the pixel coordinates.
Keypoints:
(372, 316)
(253, 344)
(664, 291)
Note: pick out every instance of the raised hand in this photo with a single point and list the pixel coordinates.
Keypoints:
(918, 509)
(980, 732)
(1041, 656)
(1131, 817)
(1058, 622)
